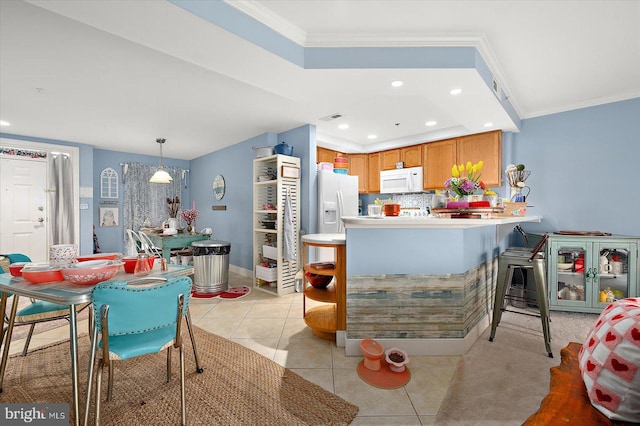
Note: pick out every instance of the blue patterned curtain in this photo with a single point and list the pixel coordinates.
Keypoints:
(145, 200)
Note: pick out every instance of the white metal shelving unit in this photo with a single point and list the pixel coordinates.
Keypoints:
(275, 178)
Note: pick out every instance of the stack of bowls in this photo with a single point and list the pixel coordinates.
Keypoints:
(340, 165)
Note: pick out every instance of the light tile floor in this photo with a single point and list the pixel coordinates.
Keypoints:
(274, 327)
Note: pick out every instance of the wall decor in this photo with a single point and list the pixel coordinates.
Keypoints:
(109, 216)
(218, 187)
(109, 183)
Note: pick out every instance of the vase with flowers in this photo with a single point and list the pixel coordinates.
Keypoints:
(465, 179)
(189, 216)
(173, 205)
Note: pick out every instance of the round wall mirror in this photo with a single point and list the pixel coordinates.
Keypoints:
(218, 187)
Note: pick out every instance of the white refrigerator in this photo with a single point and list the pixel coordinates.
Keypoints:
(337, 197)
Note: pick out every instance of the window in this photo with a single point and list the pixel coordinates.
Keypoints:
(109, 183)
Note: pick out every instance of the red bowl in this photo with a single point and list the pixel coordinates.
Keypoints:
(319, 281)
(15, 269)
(130, 263)
(41, 273)
(99, 256)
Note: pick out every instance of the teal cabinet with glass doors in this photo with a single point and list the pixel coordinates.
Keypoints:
(586, 273)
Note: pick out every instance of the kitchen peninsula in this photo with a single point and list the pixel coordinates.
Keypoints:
(425, 285)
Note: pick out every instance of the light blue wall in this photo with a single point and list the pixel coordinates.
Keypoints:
(235, 164)
(584, 167)
(111, 239)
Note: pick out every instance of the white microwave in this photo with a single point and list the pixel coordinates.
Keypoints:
(401, 180)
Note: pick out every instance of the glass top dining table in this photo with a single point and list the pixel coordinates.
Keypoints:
(63, 293)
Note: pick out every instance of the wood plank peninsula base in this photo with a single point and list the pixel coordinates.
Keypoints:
(425, 285)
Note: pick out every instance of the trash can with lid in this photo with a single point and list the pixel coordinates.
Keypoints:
(211, 264)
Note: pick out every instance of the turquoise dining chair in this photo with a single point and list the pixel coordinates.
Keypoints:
(132, 319)
(37, 312)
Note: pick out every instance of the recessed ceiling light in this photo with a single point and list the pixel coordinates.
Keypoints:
(488, 124)
(4, 123)
(431, 123)
(397, 83)
(372, 136)
(455, 91)
(343, 126)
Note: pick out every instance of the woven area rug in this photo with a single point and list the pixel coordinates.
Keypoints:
(20, 332)
(238, 387)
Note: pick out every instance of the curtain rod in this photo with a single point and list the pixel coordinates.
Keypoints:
(187, 170)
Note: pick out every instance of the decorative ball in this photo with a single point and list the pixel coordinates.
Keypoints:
(610, 361)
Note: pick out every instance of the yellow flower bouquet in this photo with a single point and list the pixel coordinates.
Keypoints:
(465, 180)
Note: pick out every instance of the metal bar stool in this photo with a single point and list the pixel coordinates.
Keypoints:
(514, 258)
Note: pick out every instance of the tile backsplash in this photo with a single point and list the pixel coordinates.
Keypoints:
(420, 200)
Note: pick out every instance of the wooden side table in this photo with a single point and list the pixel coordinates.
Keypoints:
(330, 317)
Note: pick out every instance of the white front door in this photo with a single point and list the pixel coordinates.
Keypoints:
(23, 208)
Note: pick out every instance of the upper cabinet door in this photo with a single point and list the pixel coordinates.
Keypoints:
(358, 164)
(486, 147)
(411, 156)
(439, 157)
(374, 172)
(327, 155)
(390, 158)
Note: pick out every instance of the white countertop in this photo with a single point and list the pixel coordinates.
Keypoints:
(430, 222)
(335, 239)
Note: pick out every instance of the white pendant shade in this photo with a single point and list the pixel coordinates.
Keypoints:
(161, 176)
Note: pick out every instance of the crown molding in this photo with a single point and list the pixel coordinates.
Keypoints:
(587, 103)
(272, 20)
(267, 17)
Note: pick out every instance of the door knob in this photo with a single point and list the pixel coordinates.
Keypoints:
(40, 219)
(40, 208)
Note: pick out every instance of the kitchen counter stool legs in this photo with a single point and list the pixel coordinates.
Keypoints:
(507, 263)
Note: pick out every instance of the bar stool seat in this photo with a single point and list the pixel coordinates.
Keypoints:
(523, 258)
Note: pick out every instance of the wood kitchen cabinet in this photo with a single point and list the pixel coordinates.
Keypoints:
(486, 147)
(358, 165)
(411, 156)
(327, 155)
(440, 156)
(389, 158)
(373, 172)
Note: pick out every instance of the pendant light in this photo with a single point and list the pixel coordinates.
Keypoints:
(161, 176)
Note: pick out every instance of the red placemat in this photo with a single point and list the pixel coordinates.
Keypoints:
(383, 378)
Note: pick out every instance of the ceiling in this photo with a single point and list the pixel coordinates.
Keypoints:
(118, 75)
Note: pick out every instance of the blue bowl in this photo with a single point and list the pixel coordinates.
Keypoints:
(341, 171)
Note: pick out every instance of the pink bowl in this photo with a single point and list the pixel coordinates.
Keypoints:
(91, 272)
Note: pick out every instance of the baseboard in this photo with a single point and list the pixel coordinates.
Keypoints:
(248, 273)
